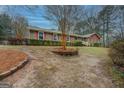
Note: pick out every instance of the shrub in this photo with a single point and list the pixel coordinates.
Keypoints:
(44, 42)
(77, 43)
(47, 42)
(35, 42)
(15, 41)
(2, 38)
(117, 52)
(58, 43)
(68, 43)
(97, 44)
(52, 43)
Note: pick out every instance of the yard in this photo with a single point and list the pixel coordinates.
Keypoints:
(47, 69)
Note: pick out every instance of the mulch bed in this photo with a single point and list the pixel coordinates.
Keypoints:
(10, 59)
(67, 52)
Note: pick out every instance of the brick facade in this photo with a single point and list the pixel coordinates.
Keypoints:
(49, 35)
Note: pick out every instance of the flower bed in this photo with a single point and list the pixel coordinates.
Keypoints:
(10, 61)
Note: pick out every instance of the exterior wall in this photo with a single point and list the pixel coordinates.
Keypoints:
(72, 38)
(27, 34)
(56, 37)
(34, 34)
(94, 38)
(79, 38)
(31, 34)
(59, 37)
(67, 38)
(48, 36)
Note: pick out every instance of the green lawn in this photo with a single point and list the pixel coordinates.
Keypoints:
(97, 51)
(100, 52)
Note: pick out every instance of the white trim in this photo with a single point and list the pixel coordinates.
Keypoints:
(29, 34)
(38, 35)
(43, 35)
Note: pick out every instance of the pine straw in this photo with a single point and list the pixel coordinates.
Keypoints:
(68, 51)
(10, 59)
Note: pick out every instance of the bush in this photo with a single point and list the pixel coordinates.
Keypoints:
(53, 43)
(44, 42)
(97, 44)
(77, 43)
(47, 42)
(2, 38)
(15, 41)
(35, 42)
(57, 43)
(117, 52)
(68, 43)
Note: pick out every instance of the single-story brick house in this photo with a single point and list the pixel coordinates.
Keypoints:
(45, 34)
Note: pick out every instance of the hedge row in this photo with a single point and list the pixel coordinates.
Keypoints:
(52, 43)
(14, 41)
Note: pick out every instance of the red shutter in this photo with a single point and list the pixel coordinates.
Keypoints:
(36, 35)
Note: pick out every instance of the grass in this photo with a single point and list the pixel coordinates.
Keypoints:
(118, 77)
(96, 51)
(10, 46)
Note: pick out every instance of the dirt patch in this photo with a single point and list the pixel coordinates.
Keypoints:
(10, 59)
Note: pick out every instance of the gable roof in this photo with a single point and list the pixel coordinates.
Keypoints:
(89, 35)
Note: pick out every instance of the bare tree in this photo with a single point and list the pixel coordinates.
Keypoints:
(20, 27)
(107, 17)
(64, 17)
(120, 22)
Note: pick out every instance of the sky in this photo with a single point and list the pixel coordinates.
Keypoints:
(34, 16)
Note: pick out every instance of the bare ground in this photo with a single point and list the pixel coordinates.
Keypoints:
(47, 69)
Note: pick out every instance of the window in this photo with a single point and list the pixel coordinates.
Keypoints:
(55, 37)
(40, 35)
(76, 38)
(68, 38)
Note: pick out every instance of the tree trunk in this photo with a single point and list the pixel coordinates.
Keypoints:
(107, 29)
(63, 40)
(103, 33)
